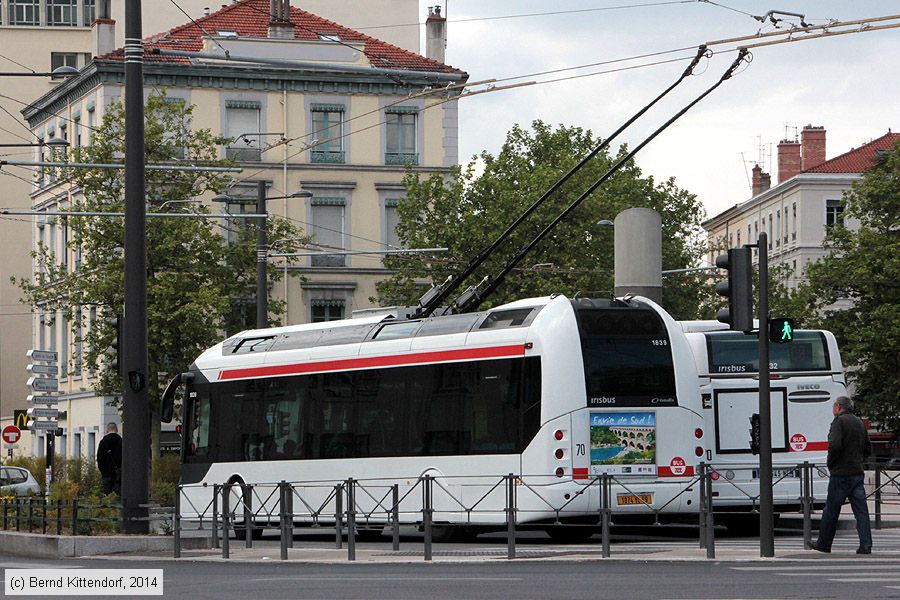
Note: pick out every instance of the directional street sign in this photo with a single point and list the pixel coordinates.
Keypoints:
(44, 413)
(43, 425)
(34, 399)
(42, 355)
(42, 384)
(11, 434)
(42, 369)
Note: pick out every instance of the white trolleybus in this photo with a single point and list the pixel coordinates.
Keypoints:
(806, 377)
(556, 391)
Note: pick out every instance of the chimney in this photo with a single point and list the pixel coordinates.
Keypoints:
(812, 139)
(103, 30)
(280, 26)
(761, 181)
(788, 159)
(435, 34)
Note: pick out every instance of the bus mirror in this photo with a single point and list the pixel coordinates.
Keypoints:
(167, 407)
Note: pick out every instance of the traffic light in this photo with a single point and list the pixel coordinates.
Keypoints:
(738, 288)
(781, 330)
(116, 322)
(754, 433)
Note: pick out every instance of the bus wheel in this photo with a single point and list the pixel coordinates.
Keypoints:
(240, 527)
(570, 534)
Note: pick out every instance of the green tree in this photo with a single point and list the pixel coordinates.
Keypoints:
(467, 210)
(854, 290)
(196, 278)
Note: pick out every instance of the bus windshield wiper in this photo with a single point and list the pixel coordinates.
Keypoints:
(434, 297)
(473, 297)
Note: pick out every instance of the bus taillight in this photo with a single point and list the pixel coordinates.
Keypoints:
(698, 433)
(560, 471)
(559, 453)
(558, 434)
(699, 450)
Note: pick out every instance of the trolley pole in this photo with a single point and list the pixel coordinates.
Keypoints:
(766, 508)
(136, 406)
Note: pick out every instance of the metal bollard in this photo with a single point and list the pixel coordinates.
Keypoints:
(18, 513)
(877, 496)
(75, 516)
(710, 524)
(604, 513)
(806, 501)
(176, 523)
(215, 517)
(44, 502)
(290, 508)
(247, 500)
(58, 517)
(351, 519)
(426, 516)
(283, 509)
(510, 516)
(30, 514)
(395, 516)
(5, 514)
(338, 516)
(226, 518)
(701, 508)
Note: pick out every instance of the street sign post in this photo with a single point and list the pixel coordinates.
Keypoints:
(43, 384)
(42, 369)
(11, 434)
(42, 355)
(35, 399)
(44, 425)
(44, 413)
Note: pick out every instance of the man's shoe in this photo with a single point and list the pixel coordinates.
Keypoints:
(864, 550)
(815, 546)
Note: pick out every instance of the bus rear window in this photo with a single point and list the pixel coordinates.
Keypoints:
(736, 352)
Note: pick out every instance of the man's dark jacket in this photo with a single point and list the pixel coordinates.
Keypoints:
(109, 455)
(848, 445)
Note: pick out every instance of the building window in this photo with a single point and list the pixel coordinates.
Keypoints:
(63, 349)
(327, 310)
(739, 238)
(794, 230)
(177, 138)
(242, 122)
(328, 130)
(243, 202)
(328, 230)
(76, 125)
(76, 445)
(391, 220)
(770, 230)
(24, 12)
(834, 213)
(778, 228)
(62, 13)
(92, 446)
(91, 123)
(89, 12)
(400, 145)
(63, 59)
(78, 347)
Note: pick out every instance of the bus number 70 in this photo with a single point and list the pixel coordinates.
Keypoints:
(579, 449)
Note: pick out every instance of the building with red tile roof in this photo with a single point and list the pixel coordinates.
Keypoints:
(807, 200)
(306, 104)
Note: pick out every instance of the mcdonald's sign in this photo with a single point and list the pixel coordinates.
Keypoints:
(20, 419)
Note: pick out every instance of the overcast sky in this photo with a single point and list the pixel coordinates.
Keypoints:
(848, 84)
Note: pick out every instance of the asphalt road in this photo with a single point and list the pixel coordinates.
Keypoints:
(595, 580)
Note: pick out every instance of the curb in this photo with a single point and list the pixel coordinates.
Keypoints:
(38, 545)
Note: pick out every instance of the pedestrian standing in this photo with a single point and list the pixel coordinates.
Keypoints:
(109, 460)
(848, 448)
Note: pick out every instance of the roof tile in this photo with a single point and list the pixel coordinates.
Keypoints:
(250, 19)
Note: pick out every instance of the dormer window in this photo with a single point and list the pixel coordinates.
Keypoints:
(228, 33)
(329, 37)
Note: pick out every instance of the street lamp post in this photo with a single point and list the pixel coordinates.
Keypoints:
(262, 285)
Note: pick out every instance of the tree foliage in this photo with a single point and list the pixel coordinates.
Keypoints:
(469, 209)
(854, 290)
(196, 278)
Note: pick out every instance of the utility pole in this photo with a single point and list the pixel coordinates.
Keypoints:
(766, 508)
(136, 406)
(262, 286)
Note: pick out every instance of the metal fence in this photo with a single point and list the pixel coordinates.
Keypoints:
(352, 507)
(80, 516)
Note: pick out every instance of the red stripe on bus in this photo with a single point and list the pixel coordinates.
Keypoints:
(579, 473)
(666, 471)
(347, 364)
(813, 447)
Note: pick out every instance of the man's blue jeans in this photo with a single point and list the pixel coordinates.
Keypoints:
(840, 488)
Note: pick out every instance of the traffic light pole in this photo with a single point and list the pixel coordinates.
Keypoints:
(766, 508)
(136, 405)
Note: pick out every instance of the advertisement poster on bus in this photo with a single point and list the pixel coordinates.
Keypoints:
(623, 443)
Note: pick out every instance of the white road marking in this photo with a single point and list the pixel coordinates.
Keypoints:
(301, 578)
(796, 567)
(866, 579)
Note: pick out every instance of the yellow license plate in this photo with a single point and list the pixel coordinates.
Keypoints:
(630, 499)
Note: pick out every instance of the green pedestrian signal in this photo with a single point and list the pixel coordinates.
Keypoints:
(781, 330)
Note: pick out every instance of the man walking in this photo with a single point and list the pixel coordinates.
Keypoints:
(848, 448)
(109, 460)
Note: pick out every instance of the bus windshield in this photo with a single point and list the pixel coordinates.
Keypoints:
(736, 352)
